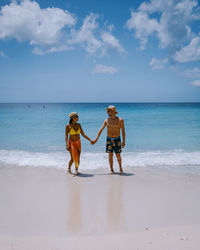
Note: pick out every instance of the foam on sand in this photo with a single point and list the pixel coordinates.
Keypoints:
(178, 160)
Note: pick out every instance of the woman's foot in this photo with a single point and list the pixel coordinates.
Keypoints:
(77, 171)
(112, 171)
(69, 171)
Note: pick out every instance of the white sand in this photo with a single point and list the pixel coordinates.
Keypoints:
(44, 208)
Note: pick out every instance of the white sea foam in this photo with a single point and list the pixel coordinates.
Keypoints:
(173, 160)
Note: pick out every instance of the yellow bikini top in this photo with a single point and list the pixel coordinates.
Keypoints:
(74, 132)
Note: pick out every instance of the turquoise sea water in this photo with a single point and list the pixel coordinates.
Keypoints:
(157, 135)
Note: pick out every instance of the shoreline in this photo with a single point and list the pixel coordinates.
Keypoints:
(175, 161)
(45, 207)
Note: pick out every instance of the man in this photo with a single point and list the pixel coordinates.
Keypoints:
(114, 126)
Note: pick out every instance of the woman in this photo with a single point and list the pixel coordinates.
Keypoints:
(73, 145)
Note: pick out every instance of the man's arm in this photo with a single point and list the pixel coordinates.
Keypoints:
(100, 131)
(123, 133)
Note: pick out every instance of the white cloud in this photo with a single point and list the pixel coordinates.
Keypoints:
(111, 41)
(2, 54)
(143, 26)
(158, 64)
(38, 51)
(189, 53)
(86, 35)
(26, 21)
(93, 38)
(195, 83)
(42, 50)
(169, 20)
(191, 73)
(102, 69)
(53, 29)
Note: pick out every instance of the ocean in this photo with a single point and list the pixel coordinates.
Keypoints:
(158, 135)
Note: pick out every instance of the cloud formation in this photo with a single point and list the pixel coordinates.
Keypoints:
(191, 73)
(158, 64)
(102, 69)
(170, 21)
(189, 53)
(93, 38)
(111, 42)
(195, 83)
(2, 54)
(53, 29)
(86, 34)
(143, 26)
(26, 21)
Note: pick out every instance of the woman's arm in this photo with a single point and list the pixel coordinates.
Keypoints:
(66, 136)
(84, 135)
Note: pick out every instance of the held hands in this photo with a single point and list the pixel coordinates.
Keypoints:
(93, 141)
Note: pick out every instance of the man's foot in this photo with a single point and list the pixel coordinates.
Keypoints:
(77, 171)
(112, 171)
(121, 171)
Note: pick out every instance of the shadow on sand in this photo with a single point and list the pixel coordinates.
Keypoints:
(115, 173)
(123, 174)
(92, 175)
(83, 175)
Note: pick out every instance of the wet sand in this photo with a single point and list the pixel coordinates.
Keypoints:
(44, 208)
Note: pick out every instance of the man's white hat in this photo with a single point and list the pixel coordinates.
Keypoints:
(113, 108)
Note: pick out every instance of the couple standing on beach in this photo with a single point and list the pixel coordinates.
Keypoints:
(114, 126)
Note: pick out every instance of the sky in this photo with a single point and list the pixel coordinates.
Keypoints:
(100, 51)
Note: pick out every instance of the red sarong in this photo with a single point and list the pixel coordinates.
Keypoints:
(74, 148)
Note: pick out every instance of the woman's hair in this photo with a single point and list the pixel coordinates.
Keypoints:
(71, 120)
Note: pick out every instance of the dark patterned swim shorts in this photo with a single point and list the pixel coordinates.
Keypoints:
(113, 144)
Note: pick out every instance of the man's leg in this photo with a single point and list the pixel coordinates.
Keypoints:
(111, 162)
(119, 159)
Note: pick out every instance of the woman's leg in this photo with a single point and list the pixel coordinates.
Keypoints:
(75, 153)
(79, 154)
(70, 163)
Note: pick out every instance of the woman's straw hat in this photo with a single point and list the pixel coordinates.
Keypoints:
(73, 114)
(113, 108)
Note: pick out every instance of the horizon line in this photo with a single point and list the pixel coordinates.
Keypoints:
(187, 102)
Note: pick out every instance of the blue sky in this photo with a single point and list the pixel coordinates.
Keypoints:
(100, 51)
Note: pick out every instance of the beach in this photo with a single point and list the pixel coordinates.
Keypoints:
(47, 209)
(88, 86)
(154, 205)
